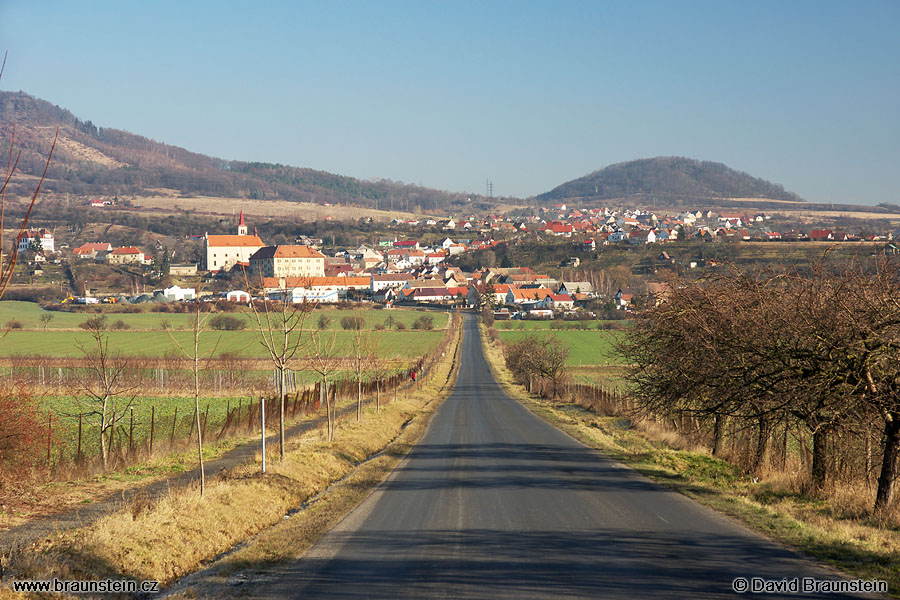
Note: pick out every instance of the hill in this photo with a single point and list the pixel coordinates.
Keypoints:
(668, 180)
(92, 160)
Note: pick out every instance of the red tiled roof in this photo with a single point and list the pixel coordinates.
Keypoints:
(126, 250)
(238, 241)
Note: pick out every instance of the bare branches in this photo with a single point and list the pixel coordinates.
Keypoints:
(815, 351)
(279, 327)
(194, 357)
(322, 351)
(8, 265)
(102, 386)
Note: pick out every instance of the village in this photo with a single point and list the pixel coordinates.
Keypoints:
(404, 271)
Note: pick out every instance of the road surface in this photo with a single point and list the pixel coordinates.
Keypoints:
(495, 503)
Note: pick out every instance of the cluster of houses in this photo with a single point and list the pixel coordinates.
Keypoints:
(518, 289)
(604, 226)
(398, 271)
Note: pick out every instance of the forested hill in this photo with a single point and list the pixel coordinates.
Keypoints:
(91, 160)
(668, 179)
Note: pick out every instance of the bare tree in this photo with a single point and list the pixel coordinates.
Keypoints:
(322, 360)
(538, 358)
(378, 367)
(103, 385)
(279, 326)
(194, 355)
(813, 352)
(362, 339)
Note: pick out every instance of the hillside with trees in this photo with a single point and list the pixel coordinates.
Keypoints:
(668, 180)
(92, 160)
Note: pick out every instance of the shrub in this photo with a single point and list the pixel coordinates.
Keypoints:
(324, 321)
(22, 429)
(94, 323)
(226, 323)
(355, 323)
(120, 325)
(537, 358)
(14, 324)
(424, 322)
(379, 327)
(400, 326)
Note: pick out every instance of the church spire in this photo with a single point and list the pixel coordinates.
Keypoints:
(242, 227)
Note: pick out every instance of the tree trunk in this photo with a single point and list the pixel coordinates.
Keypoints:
(717, 435)
(281, 412)
(868, 454)
(197, 412)
(377, 394)
(762, 445)
(358, 397)
(819, 457)
(200, 432)
(885, 494)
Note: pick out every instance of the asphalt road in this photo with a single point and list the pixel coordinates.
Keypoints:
(495, 503)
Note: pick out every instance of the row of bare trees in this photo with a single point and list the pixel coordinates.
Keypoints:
(290, 346)
(814, 352)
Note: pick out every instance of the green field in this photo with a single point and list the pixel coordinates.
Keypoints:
(29, 315)
(393, 344)
(608, 377)
(144, 335)
(548, 325)
(66, 410)
(585, 347)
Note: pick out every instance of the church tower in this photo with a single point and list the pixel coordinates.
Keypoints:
(242, 227)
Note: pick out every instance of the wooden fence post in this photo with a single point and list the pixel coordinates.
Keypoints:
(174, 421)
(193, 420)
(78, 453)
(49, 437)
(152, 427)
(131, 431)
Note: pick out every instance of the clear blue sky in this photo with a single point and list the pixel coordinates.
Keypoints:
(528, 94)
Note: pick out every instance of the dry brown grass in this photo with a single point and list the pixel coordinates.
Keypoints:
(264, 208)
(79, 151)
(814, 216)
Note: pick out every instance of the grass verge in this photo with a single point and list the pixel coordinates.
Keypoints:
(858, 545)
(182, 532)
